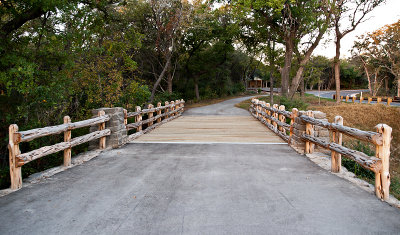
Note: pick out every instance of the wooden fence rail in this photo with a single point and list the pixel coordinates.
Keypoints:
(379, 163)
(378, 100)
(18, 159)
(169, 111)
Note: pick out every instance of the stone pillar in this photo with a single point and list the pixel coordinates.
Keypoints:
(299, 128)
(115, 124)
(320, 132)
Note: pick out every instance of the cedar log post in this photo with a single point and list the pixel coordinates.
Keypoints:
(378, 100)
(275, 115)
(347, 98)
(150, 106)
(138, 118)
(369, 100)
(389, 101)
(172, 107)
(268, 112)
(102, 126)
(13, 148)
(295, 113)
(310, 132)
(166, 110)
(354, 99)
(67, 138)
(361, 99)
(282, 118)
(125, 117)
(336, 158)
(159, 112)
(382, 179)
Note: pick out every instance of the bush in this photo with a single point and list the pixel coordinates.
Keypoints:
(166, 96)
(290, 104)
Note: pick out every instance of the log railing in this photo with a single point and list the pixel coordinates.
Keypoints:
(379, 163)
(154, 116)
(379, 100)
(169, 111)
(18, 159)
(273, 117)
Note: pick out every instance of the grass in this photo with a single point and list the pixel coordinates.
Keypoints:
(361, 116)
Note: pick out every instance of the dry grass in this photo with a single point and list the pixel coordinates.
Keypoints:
(363, 117)
(366, 117)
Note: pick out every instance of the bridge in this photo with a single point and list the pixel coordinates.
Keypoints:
(214, 170)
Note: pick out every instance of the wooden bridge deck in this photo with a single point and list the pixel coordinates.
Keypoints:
(212, 129)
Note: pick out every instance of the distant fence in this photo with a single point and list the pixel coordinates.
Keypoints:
(116, 131)
(300, 133)
(368, 100)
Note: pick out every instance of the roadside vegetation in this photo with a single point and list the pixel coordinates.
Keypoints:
(361, 116)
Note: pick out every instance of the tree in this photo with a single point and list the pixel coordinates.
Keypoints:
(354, 11)
(299, 25)
(380, 50)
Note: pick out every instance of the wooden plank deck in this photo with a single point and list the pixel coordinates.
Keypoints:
(212, 129)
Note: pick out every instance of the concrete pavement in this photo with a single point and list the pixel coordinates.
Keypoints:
(174, 188)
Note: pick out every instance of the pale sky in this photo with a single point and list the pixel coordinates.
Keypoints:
(380, 16)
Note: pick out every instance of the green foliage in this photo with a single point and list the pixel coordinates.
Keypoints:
(355, 167)
(291, 103)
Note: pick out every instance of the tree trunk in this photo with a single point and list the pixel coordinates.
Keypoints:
(398, 85)
(302, 87)
(285, 74)
(153, 92)
(386, 85)
(196, 88)
(169, 82)
(336, 62)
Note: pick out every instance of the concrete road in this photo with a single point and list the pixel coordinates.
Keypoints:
(226, 108)
(329, 94)
(196, 189)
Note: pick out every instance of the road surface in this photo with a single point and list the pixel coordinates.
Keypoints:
(174, 188)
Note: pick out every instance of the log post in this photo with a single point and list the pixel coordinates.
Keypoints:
(264, 110)
(341, 98)
(177, 106)
(354, 99)
(182, 105)
(295, 114)
(369, 100)
(347, 98)
(102, 126)
(125, 117)
(310, 132)
(378, 100)
(166, 110)
(389, 101)
(361, 99)
(150, 106)
(382, 179)
(282, 118)
(13, 148)
(275, 115)
(336, 158)
(67, 138)
(158, 112)
(138, 118)
(268, 112)
(256, 101)
(172, 108)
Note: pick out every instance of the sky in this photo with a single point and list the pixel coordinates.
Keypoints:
(385, 14)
